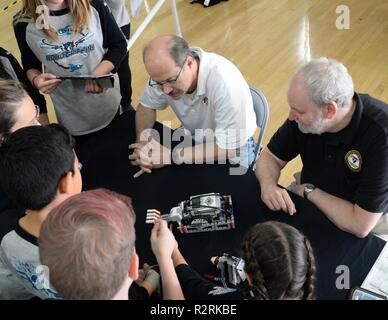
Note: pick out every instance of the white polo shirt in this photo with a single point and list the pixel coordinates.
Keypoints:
(222, 103)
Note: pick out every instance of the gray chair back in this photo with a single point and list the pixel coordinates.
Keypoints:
(261, 107)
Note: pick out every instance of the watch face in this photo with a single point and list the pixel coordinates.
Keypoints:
(309, 187)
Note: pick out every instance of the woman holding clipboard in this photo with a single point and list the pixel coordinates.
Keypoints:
(72, 38)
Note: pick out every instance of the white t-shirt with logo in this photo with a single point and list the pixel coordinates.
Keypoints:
(222, 103)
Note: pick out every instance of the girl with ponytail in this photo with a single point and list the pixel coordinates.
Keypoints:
(279, 264)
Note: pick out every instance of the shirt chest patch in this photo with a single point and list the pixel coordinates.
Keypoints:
(353, 160)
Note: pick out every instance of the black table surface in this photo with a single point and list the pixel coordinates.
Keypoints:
(105, 164)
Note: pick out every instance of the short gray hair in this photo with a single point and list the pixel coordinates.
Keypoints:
(328, 80)
(180, 50)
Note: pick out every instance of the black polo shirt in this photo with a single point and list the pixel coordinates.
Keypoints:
(351, 164)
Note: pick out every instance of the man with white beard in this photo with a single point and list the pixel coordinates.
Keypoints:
(342, 138)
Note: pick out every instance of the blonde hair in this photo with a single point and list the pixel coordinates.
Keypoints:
(79, 9)
(88, 242)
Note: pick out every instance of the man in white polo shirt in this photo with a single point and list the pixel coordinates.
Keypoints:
(207, 93)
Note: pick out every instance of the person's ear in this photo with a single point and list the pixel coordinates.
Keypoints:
(133, 268)
(330, 110)
(66, 184)
(190, 61)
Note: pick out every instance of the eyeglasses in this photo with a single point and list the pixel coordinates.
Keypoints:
(155, 84)
(35, 120)
(80, 166)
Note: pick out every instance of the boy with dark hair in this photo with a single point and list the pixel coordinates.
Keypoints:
(17, 110)
(38, 170)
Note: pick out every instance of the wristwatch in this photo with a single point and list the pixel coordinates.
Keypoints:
(308, 188)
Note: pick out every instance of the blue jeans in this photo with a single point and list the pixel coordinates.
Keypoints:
(251, 146)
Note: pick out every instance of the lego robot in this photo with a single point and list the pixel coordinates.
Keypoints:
(204, 212)
(231, 267)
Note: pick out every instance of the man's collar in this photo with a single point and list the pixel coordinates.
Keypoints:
(202, 63)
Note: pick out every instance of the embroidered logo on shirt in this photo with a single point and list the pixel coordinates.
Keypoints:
(353, 160)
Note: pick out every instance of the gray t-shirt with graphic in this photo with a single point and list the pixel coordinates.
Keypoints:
(21, 274)
(76, 54)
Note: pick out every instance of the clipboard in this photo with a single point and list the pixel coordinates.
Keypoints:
(104, 81)
(377, 278)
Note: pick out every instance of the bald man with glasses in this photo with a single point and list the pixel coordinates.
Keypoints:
(209, 96)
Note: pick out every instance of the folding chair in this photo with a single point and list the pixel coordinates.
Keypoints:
(260, 105)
